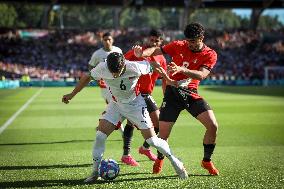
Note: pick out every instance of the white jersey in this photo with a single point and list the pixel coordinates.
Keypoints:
(100, 55)
(123, 88)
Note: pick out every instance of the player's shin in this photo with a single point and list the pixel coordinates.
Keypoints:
(163, 147)
(127, 137)
(208, 151)
(145, 144)
(98, 149)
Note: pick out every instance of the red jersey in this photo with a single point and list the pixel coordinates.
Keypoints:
(147, 82)
(183, 56)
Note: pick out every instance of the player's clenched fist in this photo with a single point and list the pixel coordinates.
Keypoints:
(66, 98)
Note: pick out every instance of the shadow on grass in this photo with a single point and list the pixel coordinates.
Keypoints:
(250, 90)
(56, 142)
(78, 182)
(53, 166)
(123, 164)
(200, 175)
(129, 174)
(43, 167)
(41, 183)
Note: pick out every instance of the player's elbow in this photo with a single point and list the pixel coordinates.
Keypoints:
(86, 78)
(202, 76)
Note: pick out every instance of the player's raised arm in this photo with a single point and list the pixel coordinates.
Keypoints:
(153, 51)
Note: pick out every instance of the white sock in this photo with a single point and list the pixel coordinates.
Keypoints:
(98, 149)
(163, 147)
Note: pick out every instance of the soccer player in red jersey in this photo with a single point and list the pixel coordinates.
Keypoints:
(146, 86)
(192, 61)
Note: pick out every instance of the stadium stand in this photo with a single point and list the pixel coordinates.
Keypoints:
(60, 55)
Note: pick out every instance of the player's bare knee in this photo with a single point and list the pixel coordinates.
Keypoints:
(214, 127)
(106, 127)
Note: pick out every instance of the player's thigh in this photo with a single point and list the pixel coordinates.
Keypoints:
(152, 109)
(208, 119)
(201, 110)
(106, 127)
(150, 102)
(165, 129)
(111, 115)
(171, 106)
(196, 106)
(137, 113)
(155, 118)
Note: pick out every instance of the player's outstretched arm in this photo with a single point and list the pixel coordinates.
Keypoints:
(85, 79)
(153, 51)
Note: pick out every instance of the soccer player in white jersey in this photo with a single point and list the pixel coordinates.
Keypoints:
(98, 56)
(121, 77)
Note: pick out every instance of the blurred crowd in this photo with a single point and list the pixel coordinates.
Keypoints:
(64, 54)
(243, 55)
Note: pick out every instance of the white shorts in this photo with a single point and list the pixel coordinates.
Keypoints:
(135, 111)
(106, 94)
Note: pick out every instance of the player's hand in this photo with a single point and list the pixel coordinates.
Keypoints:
(173, 68)
(66, 98)
(137, 51)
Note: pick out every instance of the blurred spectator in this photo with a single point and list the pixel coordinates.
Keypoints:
(64, 54)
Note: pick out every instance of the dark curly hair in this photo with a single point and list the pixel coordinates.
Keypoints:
(107, 34)
(115, 61)
(156, 33)
(194, 30)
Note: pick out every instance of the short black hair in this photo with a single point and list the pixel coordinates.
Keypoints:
(115, 61)
(156, 33)
(194, 30)
(106, 34)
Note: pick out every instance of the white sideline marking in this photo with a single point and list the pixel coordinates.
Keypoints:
(13, 117)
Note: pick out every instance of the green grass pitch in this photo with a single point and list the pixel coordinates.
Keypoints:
(49, 145)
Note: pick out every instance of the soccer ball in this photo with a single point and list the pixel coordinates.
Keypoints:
(108, 169)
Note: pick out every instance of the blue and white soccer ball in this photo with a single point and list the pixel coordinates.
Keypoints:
(108, 169)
